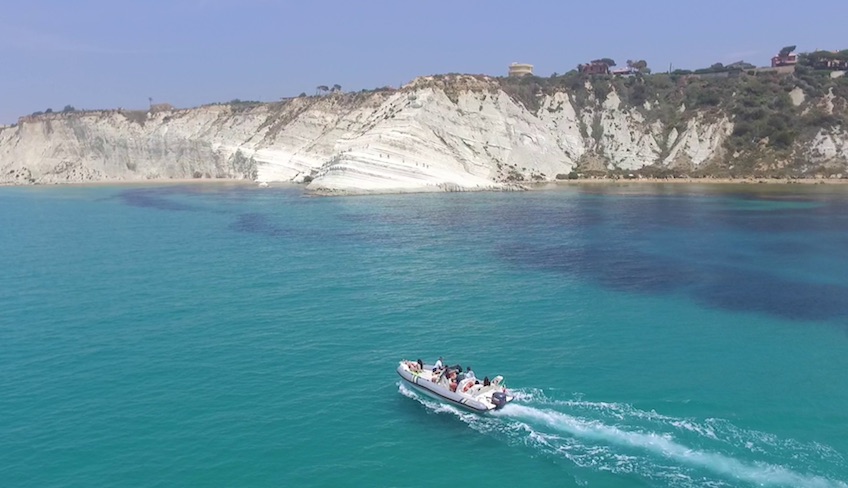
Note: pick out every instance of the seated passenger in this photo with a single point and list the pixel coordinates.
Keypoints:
(438, 375)
(470, 374)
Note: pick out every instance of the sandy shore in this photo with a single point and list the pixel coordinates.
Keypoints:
(149, 182)
(701, 181)
(523, 185)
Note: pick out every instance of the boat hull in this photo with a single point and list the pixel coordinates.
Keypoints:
(437, 392)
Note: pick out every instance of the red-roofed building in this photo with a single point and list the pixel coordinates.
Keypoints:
(789, 59)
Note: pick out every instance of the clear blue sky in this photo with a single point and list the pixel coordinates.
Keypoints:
(111, 53)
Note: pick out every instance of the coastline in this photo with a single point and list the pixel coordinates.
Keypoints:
(520, 186)
(698, 181)
(143, 182)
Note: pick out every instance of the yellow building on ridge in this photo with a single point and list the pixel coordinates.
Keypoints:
(520, 69)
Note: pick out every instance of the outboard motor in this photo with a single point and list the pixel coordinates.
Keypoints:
(499, 399)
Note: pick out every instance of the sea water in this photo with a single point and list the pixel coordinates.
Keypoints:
(227, 335)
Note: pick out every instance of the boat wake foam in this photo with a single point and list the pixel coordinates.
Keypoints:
(681, 452)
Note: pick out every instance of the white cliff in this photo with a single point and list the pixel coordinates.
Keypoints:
(436, 134)
(700, 143)
(829, 147)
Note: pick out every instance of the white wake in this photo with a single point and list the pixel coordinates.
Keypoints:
(618, 438)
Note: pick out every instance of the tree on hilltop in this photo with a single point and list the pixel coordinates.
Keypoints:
(607, 61)
(322, 89)
(337, 88)
(640, 65)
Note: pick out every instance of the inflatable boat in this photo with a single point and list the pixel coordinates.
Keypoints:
(451, 385)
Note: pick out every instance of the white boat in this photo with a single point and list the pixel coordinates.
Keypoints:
(469, 392)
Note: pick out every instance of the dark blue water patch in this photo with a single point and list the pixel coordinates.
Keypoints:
(621, 269)
(156, 198)
(827, 217)
(644, 214)
(750, 291)
(750, 211)
(730, 288)
(259, 224)
(374, 218)
(786, 248)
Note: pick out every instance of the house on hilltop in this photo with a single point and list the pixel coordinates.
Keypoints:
(828, 60)
(784, 59)
(625, 72)
(740, 66)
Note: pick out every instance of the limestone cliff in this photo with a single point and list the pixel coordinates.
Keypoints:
(435, 134)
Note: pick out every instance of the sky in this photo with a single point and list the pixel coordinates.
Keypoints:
(116, 53)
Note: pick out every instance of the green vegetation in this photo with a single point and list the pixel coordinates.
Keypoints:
(236, 101)
(639, 65)
(824, 59)
(768, 124)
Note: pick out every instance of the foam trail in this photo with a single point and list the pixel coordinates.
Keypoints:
(712, 430)
(761, 474)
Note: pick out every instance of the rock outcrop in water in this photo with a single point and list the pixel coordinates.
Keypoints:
(442, 133)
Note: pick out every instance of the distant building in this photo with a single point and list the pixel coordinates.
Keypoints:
(789, 59)
(740, 65)
(520, 69)
(624, 72)
(596, 67)
(828, 60)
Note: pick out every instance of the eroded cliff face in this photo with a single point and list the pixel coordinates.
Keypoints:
(442, 134)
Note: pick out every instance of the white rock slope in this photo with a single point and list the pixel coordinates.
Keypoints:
(431, 135)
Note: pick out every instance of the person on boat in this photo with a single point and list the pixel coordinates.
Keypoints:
(414, 367)
(439, 374)
(420, 364)
(470, 374)
(452, 383)
(439, 364)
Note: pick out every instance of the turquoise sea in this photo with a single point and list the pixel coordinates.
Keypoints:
(227, 335)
